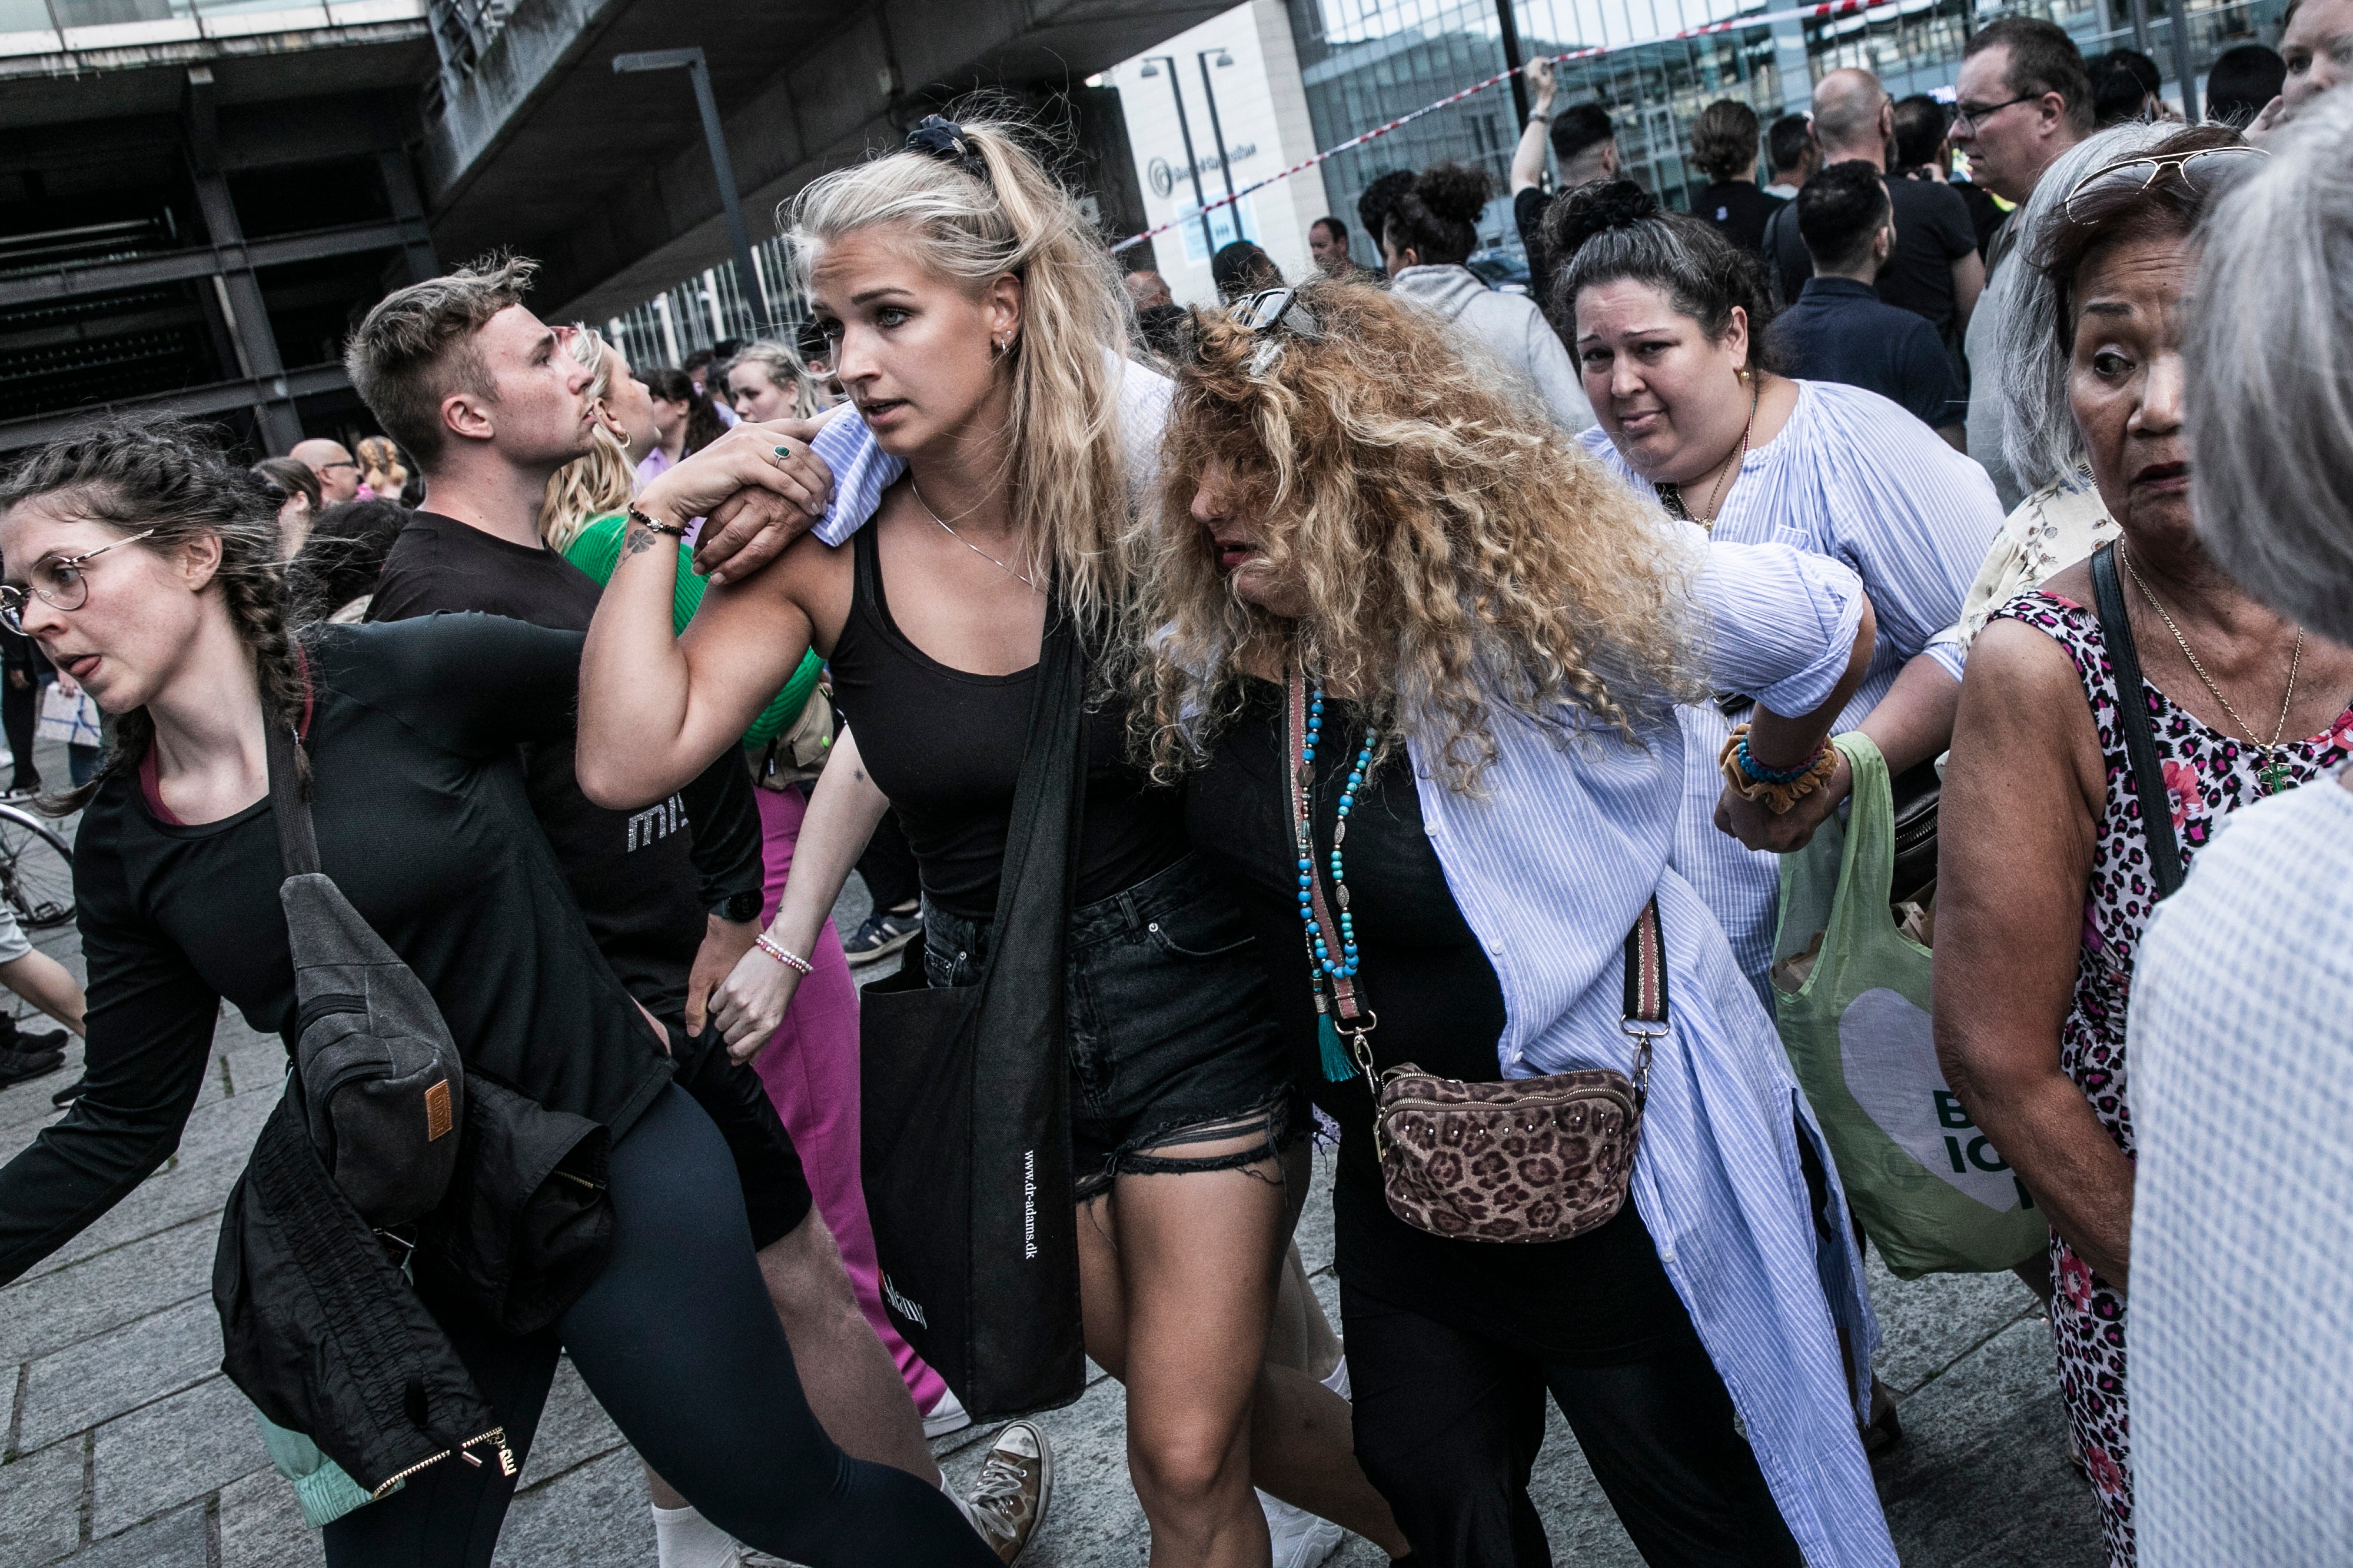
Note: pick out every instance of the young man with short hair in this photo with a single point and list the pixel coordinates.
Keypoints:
(483, 396)
(1790, 151)
(1839, 330)
(1584, 144)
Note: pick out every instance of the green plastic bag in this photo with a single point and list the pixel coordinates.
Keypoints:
(1929, 1189)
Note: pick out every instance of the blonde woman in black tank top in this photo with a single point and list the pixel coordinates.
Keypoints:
(978, 330)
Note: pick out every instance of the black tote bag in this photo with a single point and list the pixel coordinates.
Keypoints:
(965, 1105)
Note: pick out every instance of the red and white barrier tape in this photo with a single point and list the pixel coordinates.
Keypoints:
(1824, 12)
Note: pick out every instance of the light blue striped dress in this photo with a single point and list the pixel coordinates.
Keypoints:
(1550, 865)
(1853, 477)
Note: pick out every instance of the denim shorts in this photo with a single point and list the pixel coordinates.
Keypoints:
(1172, 1033)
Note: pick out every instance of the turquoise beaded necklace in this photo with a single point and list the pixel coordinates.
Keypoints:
(1330, 971)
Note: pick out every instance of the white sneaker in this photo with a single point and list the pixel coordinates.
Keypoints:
(1008, 1503)
(1301, 1540)
(684, 1538)
(948, 1415)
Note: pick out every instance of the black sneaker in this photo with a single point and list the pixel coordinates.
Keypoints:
(71, 1091)
(883, 935)
(41, 1044)
(16, 1067)
(21, 792)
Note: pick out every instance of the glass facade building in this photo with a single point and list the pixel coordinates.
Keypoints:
(1365, 62)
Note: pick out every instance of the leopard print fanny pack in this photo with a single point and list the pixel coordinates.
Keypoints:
(1528, 1160)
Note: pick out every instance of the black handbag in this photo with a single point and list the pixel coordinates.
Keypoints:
(965, 1105)
(2165, 863)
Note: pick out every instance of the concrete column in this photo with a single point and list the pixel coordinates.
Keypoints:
(400, 185)
(248, 317)
(1790, 62)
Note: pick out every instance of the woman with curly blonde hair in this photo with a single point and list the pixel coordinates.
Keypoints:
(1419, 659)
(980, 332)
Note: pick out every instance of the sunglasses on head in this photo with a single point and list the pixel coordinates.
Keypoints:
(2203, 173)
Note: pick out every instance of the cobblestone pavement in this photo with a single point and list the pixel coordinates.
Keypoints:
(124, 1445)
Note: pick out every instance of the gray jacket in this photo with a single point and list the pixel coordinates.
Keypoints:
(1510, 328)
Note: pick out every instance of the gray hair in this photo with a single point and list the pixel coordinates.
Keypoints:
(2270, 355)
(2038, 421)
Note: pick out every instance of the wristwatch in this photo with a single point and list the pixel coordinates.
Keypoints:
(738, 907)
(1540, 117)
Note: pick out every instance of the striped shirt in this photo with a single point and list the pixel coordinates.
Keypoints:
(1550, 864)
(2241, 1050)
(1853, 477)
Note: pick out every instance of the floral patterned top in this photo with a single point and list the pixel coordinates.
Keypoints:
(2208, 775)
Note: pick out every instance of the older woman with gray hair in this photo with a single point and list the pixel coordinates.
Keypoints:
(2241, 1032)
(2063, 520)
(2111, 720)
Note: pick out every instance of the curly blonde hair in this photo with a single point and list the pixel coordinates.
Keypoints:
(1452, 551)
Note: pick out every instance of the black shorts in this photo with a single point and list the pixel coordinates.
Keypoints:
(776, 1190)
(1172, 1033)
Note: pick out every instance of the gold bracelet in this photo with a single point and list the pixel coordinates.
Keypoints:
(1777, 797)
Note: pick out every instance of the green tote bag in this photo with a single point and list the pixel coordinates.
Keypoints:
(1929, 1189)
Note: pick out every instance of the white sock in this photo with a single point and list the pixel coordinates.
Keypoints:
(963, 1507)
(684, 1538)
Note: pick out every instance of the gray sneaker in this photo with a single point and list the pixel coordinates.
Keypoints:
(1007, 1504)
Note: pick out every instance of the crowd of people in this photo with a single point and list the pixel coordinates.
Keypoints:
(1438, 684)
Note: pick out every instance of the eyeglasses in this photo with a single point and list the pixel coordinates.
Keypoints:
(59, 580)
(325, 467)
(2203, 173)
(1974, 114)
(1271, 307)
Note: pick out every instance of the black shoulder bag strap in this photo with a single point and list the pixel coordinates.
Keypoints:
(297, 839)
(2131, 718)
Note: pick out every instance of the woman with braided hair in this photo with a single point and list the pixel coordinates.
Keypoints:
(145, 566)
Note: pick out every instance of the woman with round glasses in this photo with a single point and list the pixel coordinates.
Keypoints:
(2053, 852)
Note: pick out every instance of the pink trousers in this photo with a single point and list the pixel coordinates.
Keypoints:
(811, 1068)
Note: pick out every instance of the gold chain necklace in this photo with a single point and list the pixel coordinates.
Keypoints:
(1018, 576)
(1715, 491)
(2273, 774)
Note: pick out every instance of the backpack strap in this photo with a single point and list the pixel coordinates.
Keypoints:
(2132, 717)
(298, 840)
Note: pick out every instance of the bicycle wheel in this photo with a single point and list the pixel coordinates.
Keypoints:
(36, 870)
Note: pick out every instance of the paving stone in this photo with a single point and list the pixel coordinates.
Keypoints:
(173, 1196)
(1095, 1516)
(76, 1388)
(40, 1506)
(598, 1516)
(49, 1312)
(261, 1526)
(1926, 1324)
(168, 1452)
(178, 1540)
(572, 1429)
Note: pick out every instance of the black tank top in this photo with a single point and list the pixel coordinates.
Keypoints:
(946, 746)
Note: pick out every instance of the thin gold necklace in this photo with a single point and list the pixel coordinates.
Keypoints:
(1018, 577)
(2274, 772)
(1715, 491)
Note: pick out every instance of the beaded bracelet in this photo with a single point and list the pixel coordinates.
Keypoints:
(775, 950)
(642, 521)
(1776, 795)
(1757, 771)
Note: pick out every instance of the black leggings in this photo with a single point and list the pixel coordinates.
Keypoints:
(1448, 1426)
(678, 1340)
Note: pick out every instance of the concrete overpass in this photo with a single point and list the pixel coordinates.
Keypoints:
(538, 146)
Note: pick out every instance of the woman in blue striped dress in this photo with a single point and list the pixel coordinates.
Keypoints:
(1496, 632)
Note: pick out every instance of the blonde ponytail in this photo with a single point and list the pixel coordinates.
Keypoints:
(1065, 466)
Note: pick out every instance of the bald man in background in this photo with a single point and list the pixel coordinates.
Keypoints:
(338, 471)
(1935, 271)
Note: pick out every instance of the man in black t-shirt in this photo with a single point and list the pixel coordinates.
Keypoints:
(1935, 271)
(1584, 146)
(491, 403)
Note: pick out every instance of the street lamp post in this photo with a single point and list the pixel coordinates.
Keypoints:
(747, 273)
(1184, 129)
(1218, 132)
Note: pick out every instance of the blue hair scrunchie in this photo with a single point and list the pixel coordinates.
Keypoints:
(944, 139)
